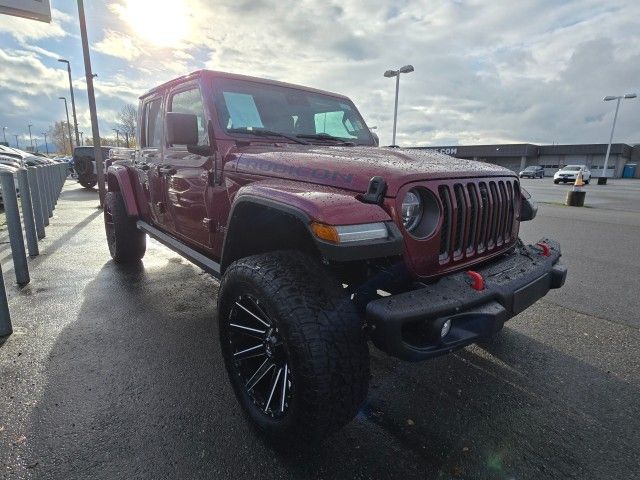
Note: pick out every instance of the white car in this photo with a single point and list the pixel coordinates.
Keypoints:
(569, 173)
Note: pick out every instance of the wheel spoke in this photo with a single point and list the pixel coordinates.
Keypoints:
(259, 374)
(273, 389)
(254, 332)
(253, 314)
(284, 387)
(249, 352)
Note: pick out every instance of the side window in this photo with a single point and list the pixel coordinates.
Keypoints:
(152, 124)
(190, 101)
(332, 124)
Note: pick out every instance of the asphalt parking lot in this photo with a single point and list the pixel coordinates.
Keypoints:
(116, 373)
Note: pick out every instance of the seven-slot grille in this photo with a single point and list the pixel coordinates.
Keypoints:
(478, 217)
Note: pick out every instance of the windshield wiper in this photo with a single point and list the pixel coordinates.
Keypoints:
(324, 136)
(263, 132)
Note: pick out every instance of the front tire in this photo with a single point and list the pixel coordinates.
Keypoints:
(293, 346)
(126, 243)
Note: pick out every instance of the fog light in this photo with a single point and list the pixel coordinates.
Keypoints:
(446, 326)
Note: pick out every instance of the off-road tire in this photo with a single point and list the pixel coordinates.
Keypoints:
(322, 336)
(126, 243)
(87, 183)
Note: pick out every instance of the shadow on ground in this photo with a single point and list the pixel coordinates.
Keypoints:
(136, 389)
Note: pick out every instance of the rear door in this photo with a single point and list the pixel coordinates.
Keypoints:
(187, 174)
(149, 159)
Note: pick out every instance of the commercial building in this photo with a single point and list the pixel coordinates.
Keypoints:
(623, 159)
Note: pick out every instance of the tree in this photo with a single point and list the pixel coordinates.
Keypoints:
(60, 138)
(128, 121)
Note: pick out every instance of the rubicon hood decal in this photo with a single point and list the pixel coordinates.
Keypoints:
(352, 167)
(316, 174)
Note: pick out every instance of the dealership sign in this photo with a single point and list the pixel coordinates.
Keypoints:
(445, 150)
(33, 9)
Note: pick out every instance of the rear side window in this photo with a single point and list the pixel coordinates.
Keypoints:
(190, 101)
(152, 124)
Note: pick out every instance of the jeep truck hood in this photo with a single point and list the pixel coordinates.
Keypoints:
(351, 168)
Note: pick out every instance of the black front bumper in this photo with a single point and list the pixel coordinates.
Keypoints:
(408, 325)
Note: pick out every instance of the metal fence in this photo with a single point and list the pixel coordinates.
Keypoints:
(38, 189)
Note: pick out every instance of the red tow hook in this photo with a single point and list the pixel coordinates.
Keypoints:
(478, 281)
(546, 249)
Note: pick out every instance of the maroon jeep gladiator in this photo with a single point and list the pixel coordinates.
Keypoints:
(322, 240)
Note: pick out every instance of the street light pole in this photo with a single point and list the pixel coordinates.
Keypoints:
(17, 144)
(73, 101)
(92, 102)
(30, 139)
(4, 134)
(117, 136)
(619, 98)
(82, 138)
(45, 142)
(68, 123)
(391, 74)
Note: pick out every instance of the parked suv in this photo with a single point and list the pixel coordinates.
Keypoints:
(84, 164)
(569, 173)
(322, 240)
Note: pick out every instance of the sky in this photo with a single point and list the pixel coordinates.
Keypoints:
(485, 72)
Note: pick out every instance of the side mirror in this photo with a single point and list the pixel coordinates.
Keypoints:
(181, 128)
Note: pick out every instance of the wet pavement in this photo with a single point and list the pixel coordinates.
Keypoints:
(116, 373)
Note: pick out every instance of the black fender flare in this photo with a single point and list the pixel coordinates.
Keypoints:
(299, 222)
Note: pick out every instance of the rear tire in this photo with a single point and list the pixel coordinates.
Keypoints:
(304, 325)
(126, 243)
(556, 182)
(87, 183)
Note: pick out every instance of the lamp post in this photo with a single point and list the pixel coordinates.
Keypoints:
(46, 145)
(608, 98)
(17, 144)
(391, 74)
(117, 136)
(82, 138)
(73, 101)
(30, 138)
(36, 145)
(4, 134)
(68, 124)
(92, 102)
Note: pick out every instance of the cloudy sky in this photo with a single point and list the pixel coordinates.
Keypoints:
(485, 72)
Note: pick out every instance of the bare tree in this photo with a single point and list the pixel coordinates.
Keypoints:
(59, 137)
(128, 121)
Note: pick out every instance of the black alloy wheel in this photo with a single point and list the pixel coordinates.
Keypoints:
(259, 357)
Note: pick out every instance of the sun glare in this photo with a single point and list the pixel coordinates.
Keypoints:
(162, 23)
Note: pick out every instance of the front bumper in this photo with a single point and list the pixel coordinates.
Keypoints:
(407, 325)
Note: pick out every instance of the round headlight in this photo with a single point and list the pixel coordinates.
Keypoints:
(411, 210)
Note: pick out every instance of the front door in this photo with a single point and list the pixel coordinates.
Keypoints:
(149, 159)
(186, 175)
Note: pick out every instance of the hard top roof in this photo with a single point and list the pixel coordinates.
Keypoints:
(214, 73)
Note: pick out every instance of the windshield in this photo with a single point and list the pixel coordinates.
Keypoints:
(572, 168)
(244, 105)
(531, 169)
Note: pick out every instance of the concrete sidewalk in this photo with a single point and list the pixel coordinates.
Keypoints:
(116, 373)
